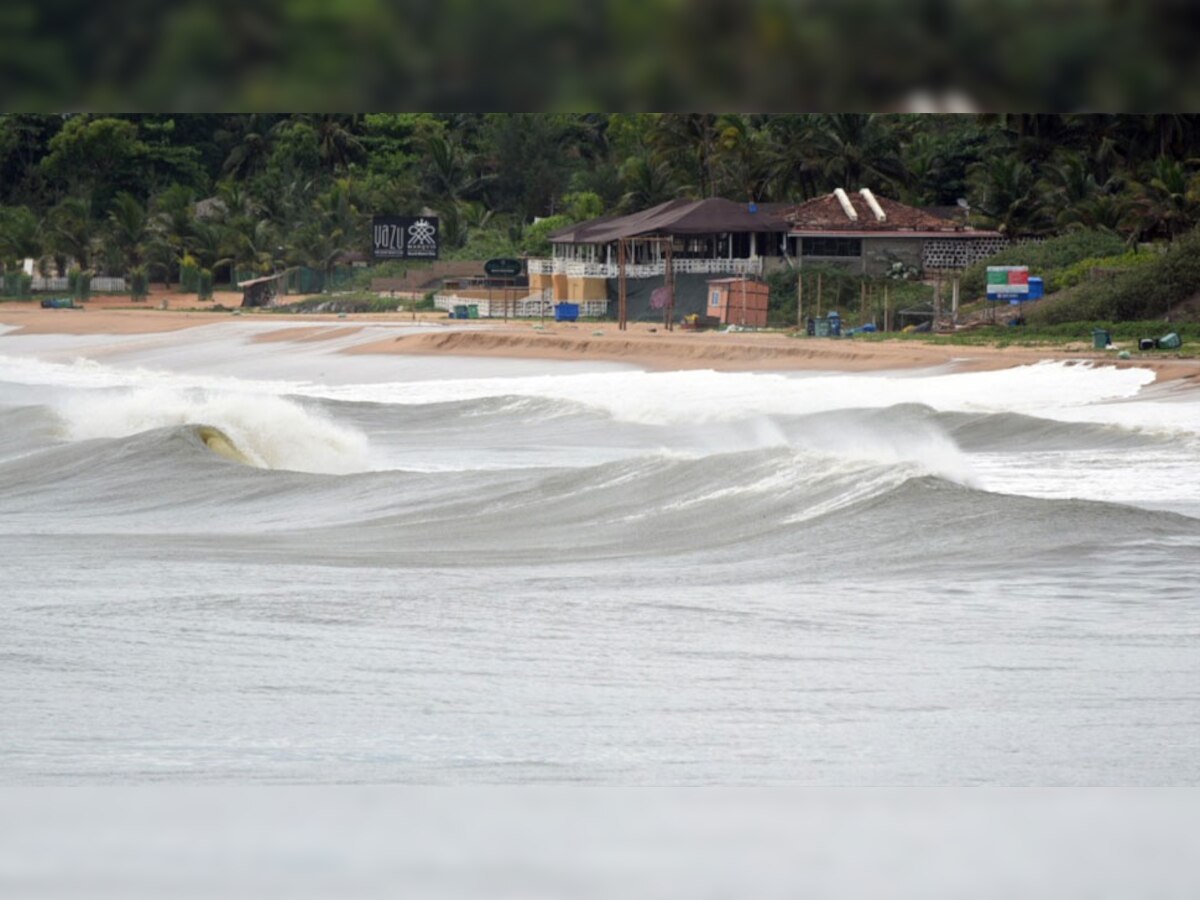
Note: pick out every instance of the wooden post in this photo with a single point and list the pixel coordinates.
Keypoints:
(954, 298)
(621, 310)
(669, 281)
(887, 315)
(862, 302)
(800, 301)
(818, 295)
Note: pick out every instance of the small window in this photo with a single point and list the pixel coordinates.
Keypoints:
(716, 299)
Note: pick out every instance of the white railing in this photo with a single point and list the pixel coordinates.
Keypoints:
(578, 269)
(61, 284)
(540, 304)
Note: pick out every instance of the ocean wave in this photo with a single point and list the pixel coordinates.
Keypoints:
(759, 505)
(268, 432)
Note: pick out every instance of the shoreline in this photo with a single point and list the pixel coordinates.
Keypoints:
(643, 345)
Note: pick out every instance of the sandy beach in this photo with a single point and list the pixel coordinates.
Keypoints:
(642, 344)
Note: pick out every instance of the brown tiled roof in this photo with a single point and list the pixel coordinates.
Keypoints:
(826, 214)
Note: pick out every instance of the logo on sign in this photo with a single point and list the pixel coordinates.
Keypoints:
(422, 235)
(404, 237)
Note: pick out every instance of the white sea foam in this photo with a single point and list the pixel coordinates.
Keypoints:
(272, 432)
(664, 398)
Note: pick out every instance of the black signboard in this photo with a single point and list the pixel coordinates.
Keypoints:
(503, 268)
(404, 237)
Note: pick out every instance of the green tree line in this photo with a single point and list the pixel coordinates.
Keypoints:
(159, 194)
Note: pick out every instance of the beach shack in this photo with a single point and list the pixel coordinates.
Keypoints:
(738, 301)
(262, 291)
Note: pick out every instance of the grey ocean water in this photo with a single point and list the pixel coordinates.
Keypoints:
(447, 571)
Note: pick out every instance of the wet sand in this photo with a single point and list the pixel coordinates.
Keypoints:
(644, 345)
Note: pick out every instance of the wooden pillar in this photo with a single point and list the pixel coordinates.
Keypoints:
(818, 295)
(800, 301)
(954, 298)
(621, 310)
(669, 281)
(887, 315)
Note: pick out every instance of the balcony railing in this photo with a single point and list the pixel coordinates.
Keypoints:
(577, 269)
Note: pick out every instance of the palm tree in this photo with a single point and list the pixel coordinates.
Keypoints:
(337, 139)
(858, 150)
(20, 235)
(171, 225)
(1113, 213)
(1167, 199)
(1005, 191)
(686, 143)
(128, 230)
(70, 231)
(336, 226)
(646, 183)
(252, 137)
(742, 159)
(791, 159)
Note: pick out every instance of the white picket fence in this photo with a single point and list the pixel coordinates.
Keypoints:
(530, 307)
(102, 284)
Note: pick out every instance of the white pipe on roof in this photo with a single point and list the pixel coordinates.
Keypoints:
(847, 206)
(880, 215)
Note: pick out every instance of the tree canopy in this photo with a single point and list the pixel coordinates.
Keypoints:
(254, 191)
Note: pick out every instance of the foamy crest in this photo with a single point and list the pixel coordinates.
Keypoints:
(272, 432)
(681, 398)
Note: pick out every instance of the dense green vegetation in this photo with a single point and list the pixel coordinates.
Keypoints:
(171, 197)
(1164, 288)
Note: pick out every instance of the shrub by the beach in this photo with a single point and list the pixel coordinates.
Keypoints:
(79, 282)
(1043, 259)
(1102, 266)
(204, 284)
(139, 283)
(1149, 291)
(18, 285)
(536, 240)
(189, 274)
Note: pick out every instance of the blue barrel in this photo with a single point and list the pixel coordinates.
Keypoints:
(1037, 289)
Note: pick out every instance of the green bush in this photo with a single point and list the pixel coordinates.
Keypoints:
(1082, 271)
(18, 285)
(1043, 259)
(1147, 291)
(536, 241)
(79, 282)
(189, 274)
(138, 280)
(204, 284)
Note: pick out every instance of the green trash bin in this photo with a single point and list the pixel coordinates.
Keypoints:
(1101, 339)
(472, 310)
(821, 328)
